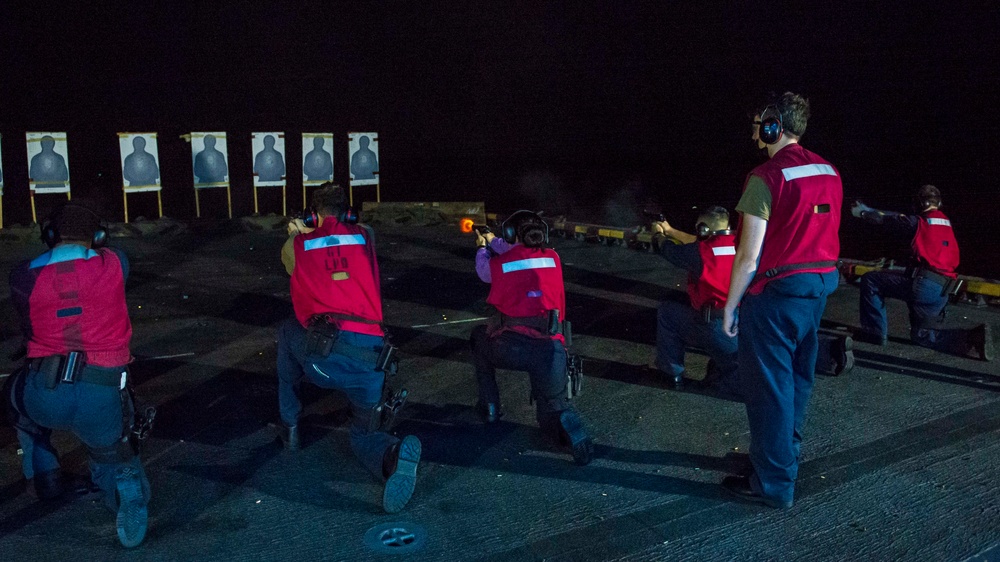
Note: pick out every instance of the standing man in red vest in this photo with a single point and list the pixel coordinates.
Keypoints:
(336, 339)
(71, 301)
(785, 268)
(924, 286)
(526, 287)
(708, 259)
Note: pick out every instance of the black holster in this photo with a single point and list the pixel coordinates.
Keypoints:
(321, 336)
(57, 369)
(574, 376)
(384, 413)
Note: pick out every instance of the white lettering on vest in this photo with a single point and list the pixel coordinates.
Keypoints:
(939, 222)
(532, 263)
(807, 171)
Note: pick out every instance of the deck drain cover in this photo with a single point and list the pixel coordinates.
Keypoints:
(395, 538)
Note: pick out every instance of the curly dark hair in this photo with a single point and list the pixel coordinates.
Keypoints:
(329, 200)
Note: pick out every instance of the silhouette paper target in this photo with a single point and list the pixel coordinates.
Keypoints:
(363, 156)
(1, 171)
(268, 159)
(210, 160)
(317, 158)
(48, 162)
(140, 162)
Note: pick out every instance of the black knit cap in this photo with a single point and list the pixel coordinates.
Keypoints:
(76, 220)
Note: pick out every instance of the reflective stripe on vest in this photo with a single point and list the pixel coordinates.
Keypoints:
(939, 222)
(334, 240)
(530, 263)
(807, 171)
(724, 251)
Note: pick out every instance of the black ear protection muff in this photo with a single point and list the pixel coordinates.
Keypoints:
(348, 216)
(51, 236)
(705, 231)
(510, 226)
(770, 129)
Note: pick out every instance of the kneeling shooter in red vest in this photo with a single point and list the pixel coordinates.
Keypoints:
(526, 332)
(337, 340)
(71, 301)
(924, 286)
(708, 259)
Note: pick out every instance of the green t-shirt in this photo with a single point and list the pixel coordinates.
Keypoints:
(756, 199)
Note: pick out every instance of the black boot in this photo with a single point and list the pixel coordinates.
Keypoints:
(48, 485)
(836, 353)
(871, 337)
(981, 340)
(399, 466)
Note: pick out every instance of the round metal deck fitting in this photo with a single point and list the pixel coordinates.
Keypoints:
(398, 537)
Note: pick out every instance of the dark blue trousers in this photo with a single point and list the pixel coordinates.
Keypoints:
(359, 381)
(543, 359)
(925, 301)
(777, 357)
(677, 326)
(92, 412)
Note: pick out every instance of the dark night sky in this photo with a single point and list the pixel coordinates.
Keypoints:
(561, 105)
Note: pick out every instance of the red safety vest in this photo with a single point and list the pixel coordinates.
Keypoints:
(336, 273)
(712, 286)
(806, 197)
(935, 245)
(78, 304)
(527, 282)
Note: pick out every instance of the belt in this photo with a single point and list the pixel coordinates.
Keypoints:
(539, 323)
(363, 354)
(546, 325)
(709, 313)
(91, 374)
(934, 276)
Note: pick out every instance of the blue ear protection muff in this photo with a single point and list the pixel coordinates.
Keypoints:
(770, 129)
(51, 237)
(510, 226)
(348, 216)
(310, 218)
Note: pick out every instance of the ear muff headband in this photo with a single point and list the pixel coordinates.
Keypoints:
(348, 216)
(51, 236)
(705, 231)
(770, 129)
(509, 227)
